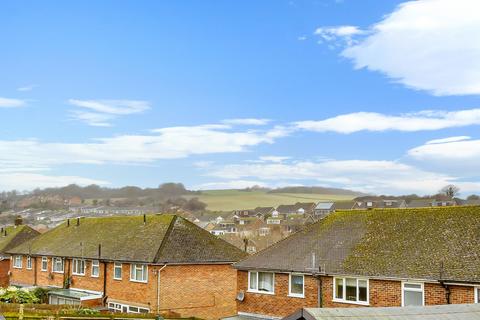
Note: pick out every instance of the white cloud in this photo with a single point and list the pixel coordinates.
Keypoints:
(29, 87)
(11, 103)
(276, 159)
(101, 112)
(28, 181)
(372, 121)
(460, 153)
(92, 118)
(450, 139)
(301, 38)
(339, 34)
(247, 121)
(430, 45)
(163, 143)
(379, 177)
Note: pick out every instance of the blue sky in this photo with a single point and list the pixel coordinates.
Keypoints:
(376, 96)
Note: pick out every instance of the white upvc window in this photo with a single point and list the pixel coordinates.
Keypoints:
(351, 290)
(95, 268)
(57, 265)
(413, 294)
(261, 282)
(29, 262)
(117, 271)
(44, 264)
(296, 285)
(78, 267)
(138, 272)
(17, 262)
(476, 294)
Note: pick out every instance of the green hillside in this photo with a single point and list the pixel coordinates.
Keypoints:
(227, 200)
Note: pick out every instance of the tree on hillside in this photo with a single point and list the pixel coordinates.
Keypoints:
(450, 190)
(473, 197)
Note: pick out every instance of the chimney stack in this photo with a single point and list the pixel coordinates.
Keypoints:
(18, 221)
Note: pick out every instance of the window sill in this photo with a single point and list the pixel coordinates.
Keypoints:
(78, 274)
(261, 292)
(297, 296)
(17, 267)
(58, 272)
(138, 281)
(119, 279)
(44, 270)
(93, 276)
(361, 303)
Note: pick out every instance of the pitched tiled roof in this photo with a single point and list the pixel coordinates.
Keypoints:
(162, 239)
(12, 236)
(427, 243)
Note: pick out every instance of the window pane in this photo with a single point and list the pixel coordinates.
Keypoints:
(265, 281)
(412, 286)
(338, 288)
(412, 298)
(351, 289)
(362, 290)
(253, 280)
(478, 295)
(296, 285)
(118, 271)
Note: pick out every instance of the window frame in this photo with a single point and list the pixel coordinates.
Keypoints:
(259, 291)
(75, 264)
(476, 294)
(290, 293)
(44, 259)
(117, 265)
(422, 290)
(29, 263)
(344, 291)
(133, 267)
(15, 262)
(54, 260)
(95, 264)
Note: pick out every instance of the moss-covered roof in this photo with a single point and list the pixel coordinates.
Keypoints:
(162, 239)
(12, 236)
(427, 243)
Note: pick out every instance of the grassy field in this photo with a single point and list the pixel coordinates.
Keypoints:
(227, 200)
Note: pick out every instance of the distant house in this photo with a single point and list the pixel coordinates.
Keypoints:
(134, 264)
(322, 209)
(379, 203)
(243, 213)
(11, 236)
(375, 258)
(432, 202)
(263, 211)
(344, 205)
(299, 208)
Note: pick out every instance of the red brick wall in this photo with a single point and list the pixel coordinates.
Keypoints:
(382, 293)
(279, 304)
(203, 291)
(4, 268)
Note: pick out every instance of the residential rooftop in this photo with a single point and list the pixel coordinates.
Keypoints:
(156, 239)
(426, 243)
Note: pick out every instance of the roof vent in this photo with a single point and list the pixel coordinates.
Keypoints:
(144, 219)
(68, 222)
(78, 222)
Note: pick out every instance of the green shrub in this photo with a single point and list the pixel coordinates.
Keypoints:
(16, 295)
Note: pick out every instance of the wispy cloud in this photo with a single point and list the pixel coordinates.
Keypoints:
(29, 87)
(426, 45)
(163, 143)
(373, 176)
(372, 121)
(339, 35)
(247, 121)
(27, 181)
(11, 103)
(102, 112)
